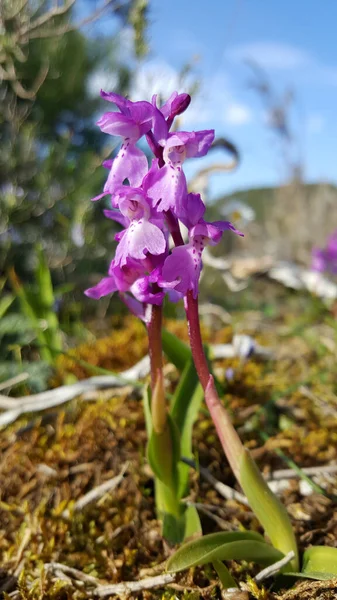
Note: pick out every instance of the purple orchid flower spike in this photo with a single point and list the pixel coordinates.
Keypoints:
(167, 185)
(133, 121)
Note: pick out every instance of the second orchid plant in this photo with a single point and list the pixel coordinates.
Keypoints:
(152, 260)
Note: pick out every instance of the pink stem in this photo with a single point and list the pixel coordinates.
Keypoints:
(229, 439)
(200, 361)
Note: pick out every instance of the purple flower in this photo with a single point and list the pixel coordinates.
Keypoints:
(143, 234)
(167, 185)
(133, 121)
(131, 278)
(182, 268)
(325, 259)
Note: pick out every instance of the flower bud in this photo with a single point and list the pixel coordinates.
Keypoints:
(180, 104)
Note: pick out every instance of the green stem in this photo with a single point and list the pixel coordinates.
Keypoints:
(154, 328)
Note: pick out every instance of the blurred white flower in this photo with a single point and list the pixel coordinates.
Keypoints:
(238, 212)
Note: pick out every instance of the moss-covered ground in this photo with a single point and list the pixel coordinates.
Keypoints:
(284, 408)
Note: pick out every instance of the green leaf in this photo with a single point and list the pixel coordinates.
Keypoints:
(5, 303)
(147, 410)
(227, 581)
(185, 407)
(46, 300)
(271, 513)
(320, 562)
(16, 325)
(164, 454)
(316, 575)
(192, 522)
(184, 391)
(29, 311)
(228, 545)
(176, 351)
(173, 528)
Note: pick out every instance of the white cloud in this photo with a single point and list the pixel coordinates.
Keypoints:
(271, 55)
(211, 105)
(237, 114)
(101, 80)
(315, 123)
(156, 77)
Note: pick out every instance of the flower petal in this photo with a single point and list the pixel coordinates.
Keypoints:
(200, 143)
(130, 163)
(184, 264)
(115, 123)
(116, 216)
(140, 238)
(106, 286)
(142, 291)
(191, 210)
(120, 101)
(166, 186)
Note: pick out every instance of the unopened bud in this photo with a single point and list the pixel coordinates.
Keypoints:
(179, 104)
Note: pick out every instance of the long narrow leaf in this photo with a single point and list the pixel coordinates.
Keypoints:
(248, 550)
(271, 513)
(29, 311)
(5, 303)
(227, 581)
(185, 407)
(208, 548)
(46, 301)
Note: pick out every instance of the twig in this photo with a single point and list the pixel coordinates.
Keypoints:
(213, 261)
(44, 400)
(215, 310)
(74, 573)
(224, 490)
(290, 474)
(127, 587)
(232, 283)
(14, 381)
(45, 18)
(204, 508)
(241, 346)
(275, 567)
(99, 491)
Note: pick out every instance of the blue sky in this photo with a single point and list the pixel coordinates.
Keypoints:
(295, 44)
